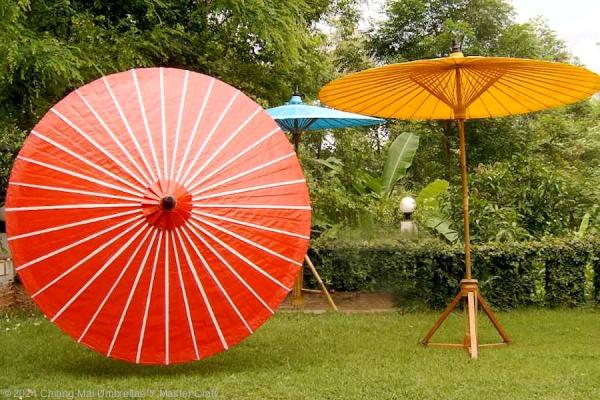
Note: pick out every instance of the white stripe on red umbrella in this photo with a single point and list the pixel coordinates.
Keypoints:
(157, 215)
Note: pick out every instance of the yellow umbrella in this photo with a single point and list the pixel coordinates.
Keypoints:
(461, 88)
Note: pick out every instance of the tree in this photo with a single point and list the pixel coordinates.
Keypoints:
(50, 47)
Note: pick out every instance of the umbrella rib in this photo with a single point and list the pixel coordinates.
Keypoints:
(557, 74)
(212, 132)
(437, 103)
(179, 118)
(508, 94)
(236, 157)
(71, 206)
(96, 275)
(128, 128)
(573, 83)
(251, 225)
(209, 308)
(86, 161)
(311, 121)
(218, 150)
(478, 81)
(231, 269)
(80, 176)
(238, 255)
(241, 174)
(519, 79)
(359, 98)
(411, 99)
(195, 129)
(425, 81)
(71, 225)
(370, 88)
(489, 113)
(342, 87)
(445, 88)
(215, 279)
(395, 95)
(188, 313)
(491, 93)
(163, 118)
(114, 286)
(247, 241)
(92, 142)
(131, 292)
(75, 191)
(254, 206)
(519, 82)
(145, 120)
(251, 188)
(77, 243)
(167, 322)
(117, 141)
(148, 298)
(83, 261)
(484, 88)
(284, 124)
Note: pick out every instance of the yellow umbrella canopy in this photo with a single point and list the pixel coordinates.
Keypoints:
(461, 88)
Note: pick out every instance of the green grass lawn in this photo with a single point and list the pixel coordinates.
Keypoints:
(556, 355)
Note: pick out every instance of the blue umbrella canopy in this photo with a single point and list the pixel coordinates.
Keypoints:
(296, 116)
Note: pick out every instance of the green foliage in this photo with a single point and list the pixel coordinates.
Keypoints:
(425, 29)
(565, 271)
(399, 158)
(49, 47)
(523, 197)
(429, 211)
(547, 272)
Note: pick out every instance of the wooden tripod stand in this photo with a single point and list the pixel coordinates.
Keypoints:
(469, 291)
(297, 299)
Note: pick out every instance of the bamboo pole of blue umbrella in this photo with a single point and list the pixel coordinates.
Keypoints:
(297, 117)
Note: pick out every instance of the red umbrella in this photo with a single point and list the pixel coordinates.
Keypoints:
(157, 215)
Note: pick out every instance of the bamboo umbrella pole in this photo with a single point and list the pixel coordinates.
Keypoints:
(465, 196)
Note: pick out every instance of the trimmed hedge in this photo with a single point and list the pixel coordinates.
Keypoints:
(549, 272)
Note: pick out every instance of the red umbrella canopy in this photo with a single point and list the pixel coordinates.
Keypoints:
(157, 215)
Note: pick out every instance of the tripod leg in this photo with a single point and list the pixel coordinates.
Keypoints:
(441, 319)
(488, 311)
(472, 311)
(297, 299)
(320, 281)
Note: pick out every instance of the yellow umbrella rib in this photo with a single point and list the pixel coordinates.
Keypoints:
(512, 88)
(487, 110)
(572, 86)
(433, 111)
(561, 74)
(339, 88)
(426, 81)
(390, 99)
(417, 93)
(485, 85)
(360, 95)
(500, 103)
(521, 82)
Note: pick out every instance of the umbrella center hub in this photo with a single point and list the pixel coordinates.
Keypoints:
(168, 203)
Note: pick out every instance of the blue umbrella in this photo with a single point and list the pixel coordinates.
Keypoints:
(295, 116)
